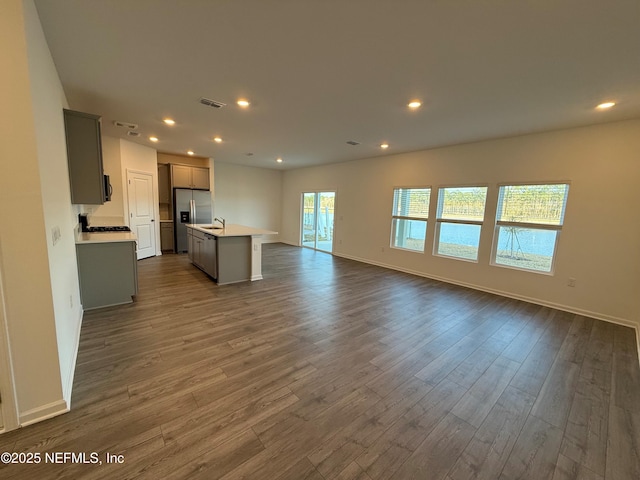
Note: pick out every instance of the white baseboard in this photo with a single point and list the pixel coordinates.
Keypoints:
(44, 412)
(587, 313)
(295, 245)
(67, 385)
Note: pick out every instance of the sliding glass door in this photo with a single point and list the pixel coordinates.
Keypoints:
(317, 220)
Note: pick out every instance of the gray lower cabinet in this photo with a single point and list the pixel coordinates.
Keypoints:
(190, 243)
(108, 273)
(203, 251)
(225, 259)
(197, 257)
(166, 236)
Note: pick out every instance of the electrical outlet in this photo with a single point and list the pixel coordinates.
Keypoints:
(70, 301)
(382, 249)
(339, 242)
(571, 282)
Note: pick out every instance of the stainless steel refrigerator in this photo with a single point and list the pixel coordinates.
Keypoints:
(189, 206)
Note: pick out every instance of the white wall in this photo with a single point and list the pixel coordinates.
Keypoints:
(48, 101)
(141, 159)
(249, 196)
(599, 244)
(36, 287)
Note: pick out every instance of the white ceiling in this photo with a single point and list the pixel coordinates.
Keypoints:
(321, 72)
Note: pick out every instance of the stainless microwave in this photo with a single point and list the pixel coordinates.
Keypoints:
(108, 189)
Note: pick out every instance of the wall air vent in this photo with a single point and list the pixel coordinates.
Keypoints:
(131, 133)
(130, 126)
(353, 142)
(212, 103)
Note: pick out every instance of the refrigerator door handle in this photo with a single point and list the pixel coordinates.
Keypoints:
(192, 209)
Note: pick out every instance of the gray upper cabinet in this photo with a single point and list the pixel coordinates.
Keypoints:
(84, 153)
(164, 184)
(183, 176)
(200, 178)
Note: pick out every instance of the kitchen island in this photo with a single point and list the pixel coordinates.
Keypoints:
(228, 255)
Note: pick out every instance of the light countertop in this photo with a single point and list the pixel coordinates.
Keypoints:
(231, 230)
(105, 237)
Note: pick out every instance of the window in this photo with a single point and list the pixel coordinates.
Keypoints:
(528, 224)
(409, 220)
(459, 221)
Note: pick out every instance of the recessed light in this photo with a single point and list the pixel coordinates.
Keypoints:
(169, 121)
(153, 139)
(279, 160)
(604, 106)
(414, 104)
(384, 146)
(243, 103)
(189, 152)
(217, 140)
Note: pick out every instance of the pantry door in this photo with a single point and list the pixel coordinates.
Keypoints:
(142, 211)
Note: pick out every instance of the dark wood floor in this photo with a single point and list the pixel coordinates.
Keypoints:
(330, 368)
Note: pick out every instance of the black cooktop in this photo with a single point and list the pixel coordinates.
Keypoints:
(117, 228)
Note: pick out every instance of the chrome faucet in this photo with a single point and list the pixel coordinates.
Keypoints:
(221, 220)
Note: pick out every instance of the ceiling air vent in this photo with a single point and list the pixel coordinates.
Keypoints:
(130, 126)
(131, 133)
(212, 103)
(353, 142)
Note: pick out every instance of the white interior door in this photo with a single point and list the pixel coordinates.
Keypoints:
(141, 211)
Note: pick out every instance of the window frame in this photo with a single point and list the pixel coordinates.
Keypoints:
(440, 221)
(394, 218)
(528, 225)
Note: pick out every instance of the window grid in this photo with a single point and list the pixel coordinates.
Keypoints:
(459, 222)
(528, 223)
(529, 220)
(409, 218)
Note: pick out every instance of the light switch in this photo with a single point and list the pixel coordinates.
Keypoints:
(55, 234)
